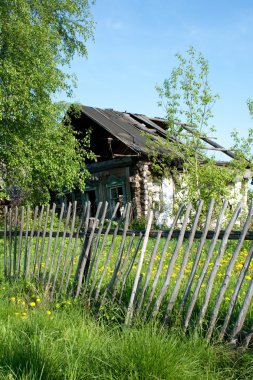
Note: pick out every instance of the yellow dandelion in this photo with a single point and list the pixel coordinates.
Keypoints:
(23, 303)
(248, 278)
(38, 300)
(13, 299)
(16, 314)
(49, 312)
(32, 304)
(23, 314)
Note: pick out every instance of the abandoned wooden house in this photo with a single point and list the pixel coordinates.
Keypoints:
(123, 171)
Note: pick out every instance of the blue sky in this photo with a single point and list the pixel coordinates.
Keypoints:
(135, 46)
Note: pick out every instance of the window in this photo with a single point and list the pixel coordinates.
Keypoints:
(90, 195)
(116, 193)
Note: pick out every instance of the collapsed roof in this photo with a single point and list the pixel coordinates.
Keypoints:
(130, 129)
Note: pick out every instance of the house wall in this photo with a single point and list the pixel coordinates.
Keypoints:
(148, 192)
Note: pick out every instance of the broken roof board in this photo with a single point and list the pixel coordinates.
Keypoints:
(129, 128)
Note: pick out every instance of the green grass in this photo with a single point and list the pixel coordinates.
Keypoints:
(68, 343)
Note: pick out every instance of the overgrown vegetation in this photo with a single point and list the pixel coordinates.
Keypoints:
(188, 102)
(62, 341)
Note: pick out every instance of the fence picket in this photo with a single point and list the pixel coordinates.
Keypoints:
(20, 241)
(216, 265)
(205, 266)
(26, 239)
(86, 226)
(124, 263)
(10, 244)
(184, 263)
(130, 309)
(43, 243)
(243, 311)
(5, 240)
(230, 267)
(86, 211)
(86, 250)
(130, 266)
(55, 247)
(122, 244)
(69, 245)
(102, 249)
(108, 258)
(36, 248)
(59, 258)
(197, 257)
(159, 269)
(172, 262)
(29, 248)
(236, 292)
(95, 247)
(15, 242)
(49, 242)
(149, 270)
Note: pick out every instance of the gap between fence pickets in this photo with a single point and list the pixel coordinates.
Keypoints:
(130, 309)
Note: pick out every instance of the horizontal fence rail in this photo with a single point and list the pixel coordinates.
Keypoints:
(199, 272)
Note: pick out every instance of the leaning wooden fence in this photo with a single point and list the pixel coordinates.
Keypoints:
(198, 278)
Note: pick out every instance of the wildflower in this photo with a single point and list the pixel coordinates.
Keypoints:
(49, 312)
(13, 299)
(32, 304)
(23, 303)
(38, 300)
(16, 314)
(23, 314)
(248, 278)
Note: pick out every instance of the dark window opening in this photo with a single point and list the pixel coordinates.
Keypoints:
(90, 195)
(116, 195)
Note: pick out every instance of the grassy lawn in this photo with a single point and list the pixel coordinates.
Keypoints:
(60, 340)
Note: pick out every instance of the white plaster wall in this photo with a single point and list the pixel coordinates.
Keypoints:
(165, 203)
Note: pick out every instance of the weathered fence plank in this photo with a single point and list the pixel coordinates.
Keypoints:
(197, 256)
(216, 265)
(184, 263)
(205, 266)
(172, 262)
(228, 273)
(130, 308)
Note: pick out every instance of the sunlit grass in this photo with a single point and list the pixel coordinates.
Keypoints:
(60, 340)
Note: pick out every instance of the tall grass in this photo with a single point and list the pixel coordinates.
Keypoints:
(62, 341)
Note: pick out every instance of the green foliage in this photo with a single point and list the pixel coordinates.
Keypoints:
(70, 344)
(188, 102)
(37, 39)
